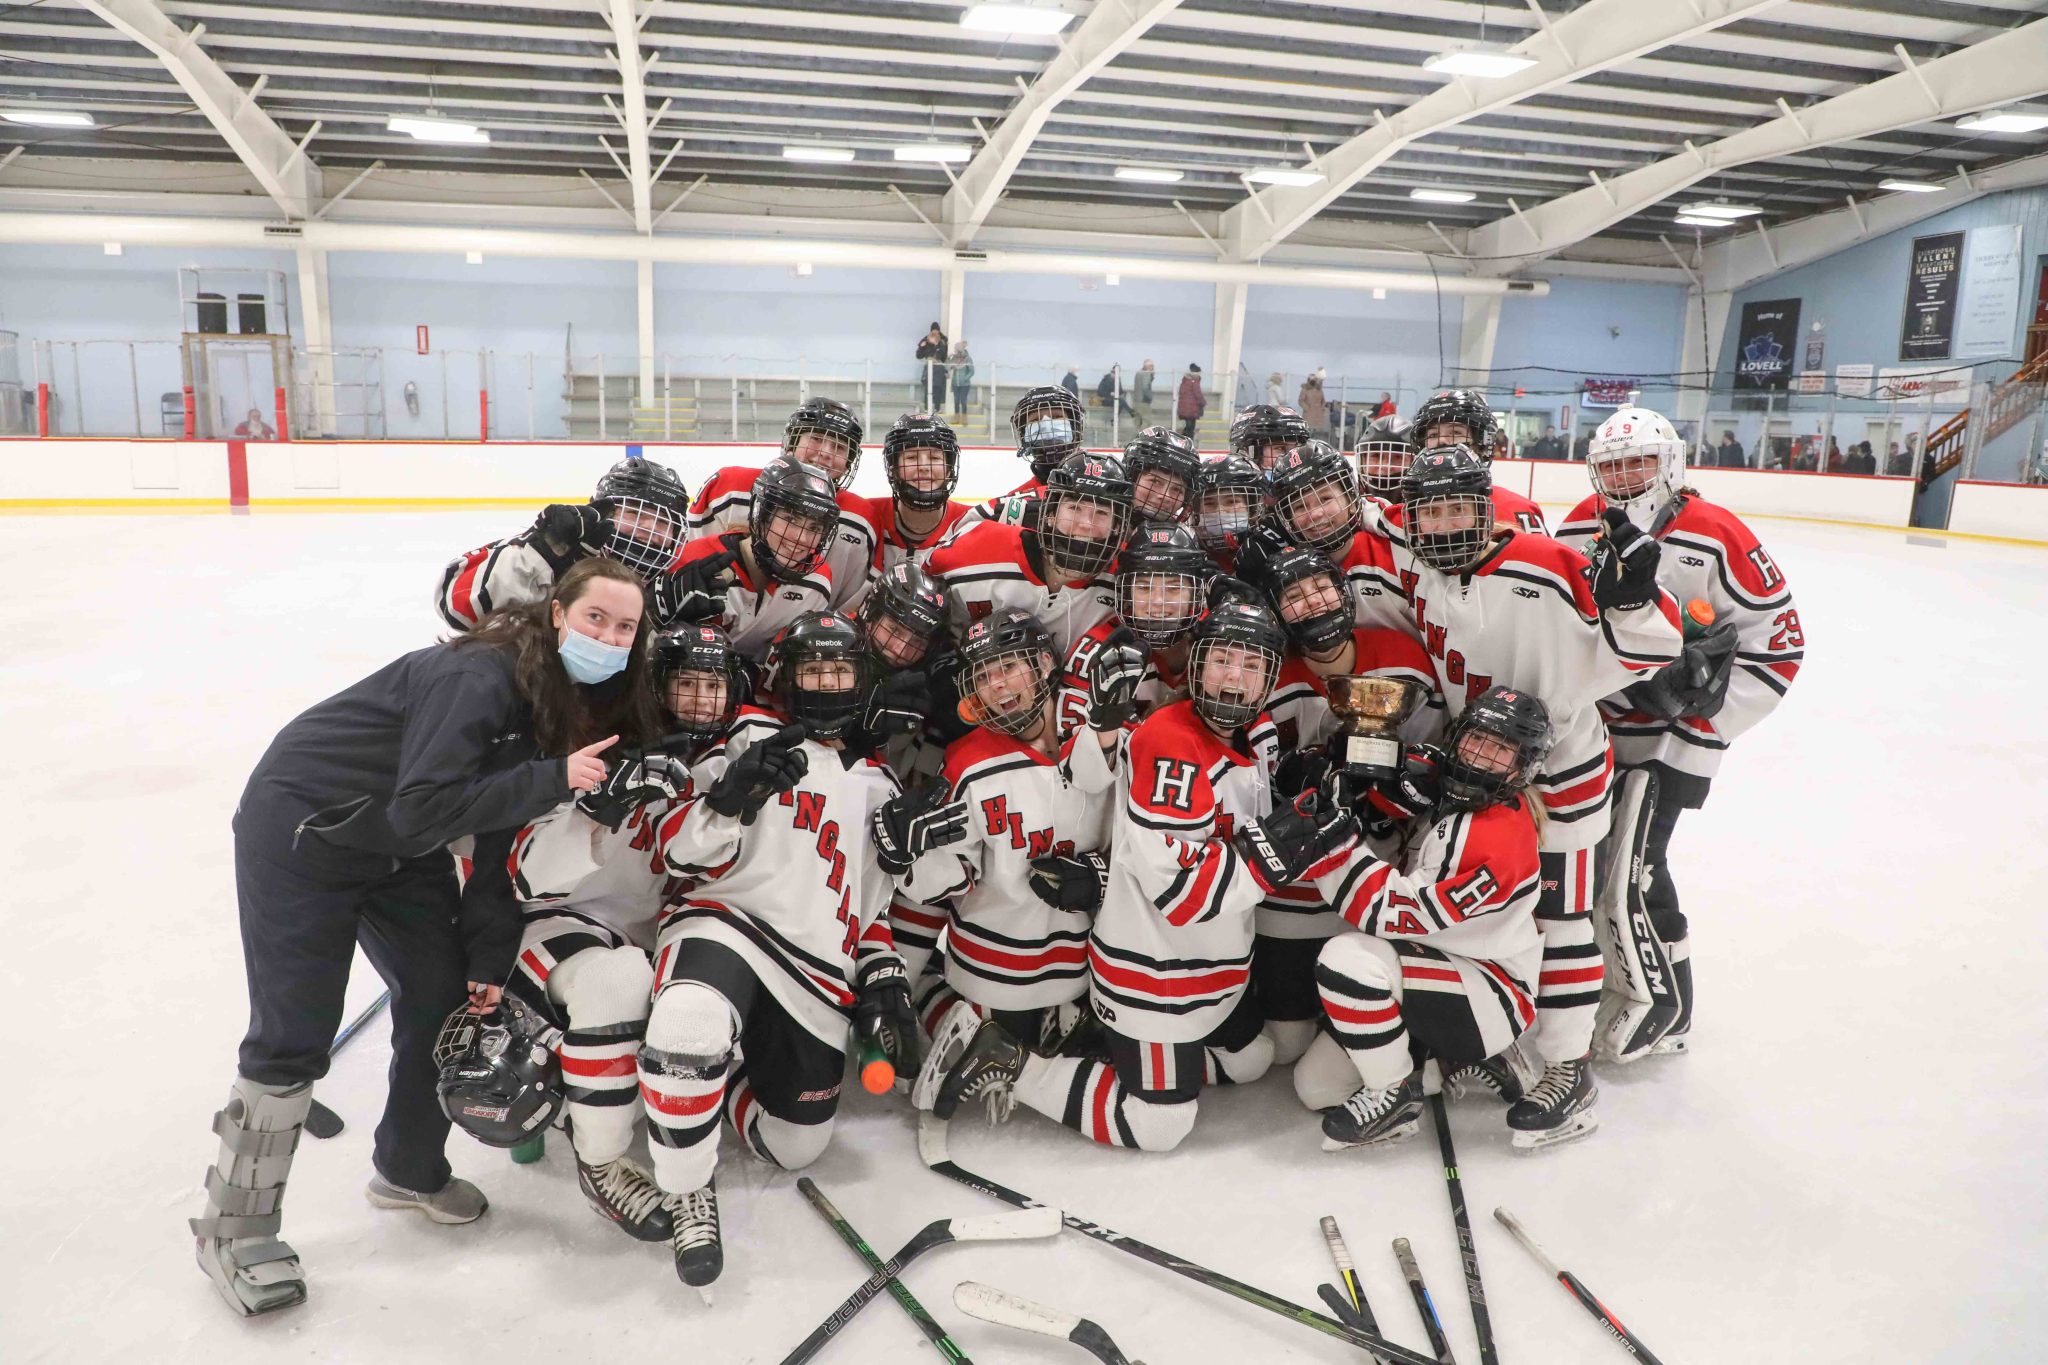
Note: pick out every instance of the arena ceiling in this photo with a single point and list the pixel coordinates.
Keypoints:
(1210, 89)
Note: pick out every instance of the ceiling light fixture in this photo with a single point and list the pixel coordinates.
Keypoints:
(432, 127)
(1910, 186)
(1150, 175)
(1015, 19)
(1283, 175)
(49, 118)
(1693, 220)
(934, 151)
(1483, 61)
(1434, 196)
(797, 151)
(2011, 120)
(1726, 212)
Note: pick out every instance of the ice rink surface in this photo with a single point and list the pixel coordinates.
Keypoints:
(1847, 1168)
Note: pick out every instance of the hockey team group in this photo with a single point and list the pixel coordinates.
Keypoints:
(1151, 775)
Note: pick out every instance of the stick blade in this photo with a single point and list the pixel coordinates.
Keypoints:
(931, 1139)
(1012, 1226)
(1010, 1310)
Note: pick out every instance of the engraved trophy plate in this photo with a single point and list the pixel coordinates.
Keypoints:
(1371, 712)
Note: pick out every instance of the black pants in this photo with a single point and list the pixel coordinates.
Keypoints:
(1677, 792)
(1187, 426)
(302, 913)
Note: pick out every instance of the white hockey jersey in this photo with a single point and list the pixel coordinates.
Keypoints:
(1710, 554)
(756, 609)
(1005, 948)
(798, 894)
(724, 502)
(1165, 680)
(1172, 947)
(1524, 617)
(987, 567)
(504, 573)
(894, 545)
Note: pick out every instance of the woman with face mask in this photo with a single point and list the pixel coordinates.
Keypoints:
(341, 837)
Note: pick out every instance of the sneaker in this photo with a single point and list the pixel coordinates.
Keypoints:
(1559, 1109)
(625, 1194)
(1375, 1116)
(458, 1201)
(699, 1252)
(987, 1071)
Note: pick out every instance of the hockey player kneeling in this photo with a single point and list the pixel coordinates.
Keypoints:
(1171, 947)
(782, 944)
(1447, 960)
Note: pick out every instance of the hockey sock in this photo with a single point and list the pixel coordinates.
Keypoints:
(791, 1146)
(1085, 1095)
(1568, 993)
(934, 997)
(1238, 1066)
(916, 929)
(683, 1071)
(605, 991)
(1359, 980)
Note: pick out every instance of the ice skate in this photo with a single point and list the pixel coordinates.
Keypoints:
(458, 1201)
(1375, 1116)
(624, 1193)
(987, 1071)
(1559, 1109)
(699, 1252)
(1507, 1074)
(949, 1040)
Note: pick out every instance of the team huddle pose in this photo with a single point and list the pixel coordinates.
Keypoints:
(1054, 800)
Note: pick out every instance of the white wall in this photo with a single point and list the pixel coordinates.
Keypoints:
(1875, 501)
(1403, 341)
(1036, 325)
(1588, 328)
(2000, 509)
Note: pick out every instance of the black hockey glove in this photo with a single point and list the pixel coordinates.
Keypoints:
(882, 1016)
(765, 770)
(942, 672)
(1300, 770)
(695, 593)
(1622, 564)
(1113, 678)
(569, 531)
(910, 824)
(1696, 683)
(898, 706)
(1284, 846)
(1255, 550)
(635, 781)
(1070, 881)
(1416, 792)
(1224, 588)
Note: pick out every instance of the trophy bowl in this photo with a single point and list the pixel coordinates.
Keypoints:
(1370, 712)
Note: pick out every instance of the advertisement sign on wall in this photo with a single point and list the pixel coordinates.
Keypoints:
(1928, 331)
(1906, 384)
(1987, 319)
(1766, 344)
(1853, 381)
(1607, 393)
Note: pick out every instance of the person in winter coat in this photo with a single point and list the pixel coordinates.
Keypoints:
(930, 382)
(1141, 390)
(962, 366)
(1315, 409)
(1190, 403)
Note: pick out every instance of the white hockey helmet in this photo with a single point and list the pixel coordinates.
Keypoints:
(1612, 456)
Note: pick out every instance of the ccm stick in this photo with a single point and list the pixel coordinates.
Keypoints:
(931, 1145)
(1482, 1323)
(995, 1227)
(999, 1306)
(1577, 1290)
(321, 1121)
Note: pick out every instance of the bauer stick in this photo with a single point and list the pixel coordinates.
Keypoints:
(1577, 1290)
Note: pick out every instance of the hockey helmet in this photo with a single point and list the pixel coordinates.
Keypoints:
(1315, 498)
(1264, 432)
(1048, 422)
(921, 431)
(904, 611)
(1636, 458)
(646, 503)
(824, 434)
(1438, 419)
(1449, 517)
(821, 671)
(500, 1081)
(1308, 596)
(700, 680)
(1161, 582)
(793, 544)
(1494, 746)
(1230, 498)
(1162, 464)
(1384, 454)
(1085, 513)
(1007, 666)
(1234, 663)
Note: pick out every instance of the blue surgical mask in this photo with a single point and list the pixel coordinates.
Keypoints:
(591, 660)
(1048, 429)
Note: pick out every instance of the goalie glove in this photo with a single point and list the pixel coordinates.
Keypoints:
(694, 594)
(911, 824)
(634, 782)
(883, 1020)
(1297, 842)
(1070, 881)
(766, 770)
(1622, 564)
(1113, 678)
(1694, 684)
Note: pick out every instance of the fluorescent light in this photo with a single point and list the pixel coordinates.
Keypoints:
(49, 118)
(934, 151)
(474, 257)
(1015, 19)
(1150, 175)
(1428, 196)
(797, 151)
(111, 248)
(1727, 213)
(1283, 175)
(1694, 220)
(1484, 61)
(429, 128)
(2002, 121)
(1112, 280)
(1909, 186)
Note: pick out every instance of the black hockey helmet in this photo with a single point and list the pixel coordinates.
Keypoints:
(990, 645)
(1264, 432)
(904, 611)
(1384, 454)
(1245, 645)
(1048, 422)
(1171, 458)
(1307, 593)
(832, 419)
(646, 503)
(1458, 486)
(1315, 497)
(1230, 498)
(703, 654)
(921, 431)
(1465, 407)
(1161, 582)
(1477, 773)
(812, 508)
(500, 1081)
(821, 637)
(1085, 481)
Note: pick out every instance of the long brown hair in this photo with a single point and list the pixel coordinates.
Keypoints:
(567, 716)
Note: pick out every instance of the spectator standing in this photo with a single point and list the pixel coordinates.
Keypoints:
(1109, 394)
(1728, 454)
(1897, 461)
(961, 367)
(1141, 390)
(1862, 460)
(1836, 464)
(1190, 403)
(1549, 446)
(931, 367)
(1314, 407)
(1275, 395)
(1071, 381)
(1386, 406)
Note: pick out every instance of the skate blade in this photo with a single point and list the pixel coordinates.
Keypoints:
(1671, 1045)
(1580, 1126)
(704, 1293)
(1387, 1139)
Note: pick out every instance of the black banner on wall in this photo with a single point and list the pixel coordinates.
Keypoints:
(1767, 344)
(1928, 332)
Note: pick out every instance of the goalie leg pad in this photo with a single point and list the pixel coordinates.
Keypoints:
(1642, 1000)
(237, 1244)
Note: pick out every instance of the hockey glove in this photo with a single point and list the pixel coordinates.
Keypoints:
(883, 1020)
(1696, 683)
(765, 770)
(634, 782)
(910, 824)
(694, 593)
(1418, 788)
(1622, 564)
(569, 531)
(898, 706)
(1296, 841)
(1070, 881)
(1113, 677)
(1300, 770)
(1223, 588)
(1255, 550)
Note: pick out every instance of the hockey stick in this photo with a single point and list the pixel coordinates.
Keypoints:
(321, 1121)
(1475, 1290)
(998, 1306)
(926, 1323)
(998, 1227)
(1577, 1290)
(1348, 1273)
(1424, 1305)
(931, 1145)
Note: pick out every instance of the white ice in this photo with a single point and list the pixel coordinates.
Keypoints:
(1847, 1168)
